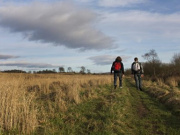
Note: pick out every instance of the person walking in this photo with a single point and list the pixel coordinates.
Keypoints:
(138, 72)
(118, 68)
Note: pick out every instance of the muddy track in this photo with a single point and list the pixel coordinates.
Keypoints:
(150, 114)
(141, 107)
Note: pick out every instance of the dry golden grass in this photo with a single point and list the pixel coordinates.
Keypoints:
(27, 100)
(172, 81)
(167, 92)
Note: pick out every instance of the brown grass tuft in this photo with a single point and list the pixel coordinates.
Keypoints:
(28, 100)
(167, 95)
(171, 81)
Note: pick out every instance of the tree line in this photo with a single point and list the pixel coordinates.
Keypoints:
(155, 68)
(83, 70)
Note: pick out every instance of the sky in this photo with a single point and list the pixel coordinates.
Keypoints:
(48, 34)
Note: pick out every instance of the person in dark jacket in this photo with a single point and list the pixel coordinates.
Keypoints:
(118, 68)
(138, 72)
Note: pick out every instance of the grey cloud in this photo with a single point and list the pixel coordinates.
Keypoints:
(142, 25)
(59, 23)
(28, 65)
(120, 3)
(4, 57)
(106, 59)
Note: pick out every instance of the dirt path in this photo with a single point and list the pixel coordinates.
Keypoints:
(123, 111)
(150, 116)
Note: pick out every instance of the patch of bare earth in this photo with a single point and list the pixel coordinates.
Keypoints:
(142, 111)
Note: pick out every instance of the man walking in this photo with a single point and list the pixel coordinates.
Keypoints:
(138, 72)
(118, 68)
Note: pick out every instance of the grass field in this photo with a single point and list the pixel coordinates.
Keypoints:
(86, 104)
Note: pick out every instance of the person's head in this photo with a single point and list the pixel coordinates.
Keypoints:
(136, 59)
(118, 58)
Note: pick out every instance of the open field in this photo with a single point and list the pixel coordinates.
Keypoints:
(86, 104)
(27, 101)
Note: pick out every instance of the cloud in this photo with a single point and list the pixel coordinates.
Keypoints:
(28, 65)
(106, 59)
(5, 57)
(142, 25)
(59, 23)
(85, 1)
(119, 3)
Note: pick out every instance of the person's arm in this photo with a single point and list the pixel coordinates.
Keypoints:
(142, 70)
(112, 67)
(122, 67)
(132, 71)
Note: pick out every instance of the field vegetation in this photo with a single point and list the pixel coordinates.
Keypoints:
(28, 101)
(85, 104)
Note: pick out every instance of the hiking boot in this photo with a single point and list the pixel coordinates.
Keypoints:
(115, 86)
(120, 87)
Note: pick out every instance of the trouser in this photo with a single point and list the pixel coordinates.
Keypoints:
(137, 78)
(118, 75)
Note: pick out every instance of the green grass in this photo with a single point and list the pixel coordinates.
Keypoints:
(115, 112)
(154, 117)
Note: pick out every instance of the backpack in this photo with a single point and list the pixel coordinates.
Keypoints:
(117, 66)
(136, 66)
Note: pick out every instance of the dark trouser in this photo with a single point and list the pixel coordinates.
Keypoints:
(137, 78)
(118, 75)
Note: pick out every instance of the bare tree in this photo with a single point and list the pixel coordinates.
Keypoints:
(69, 69)
(29, 72)
(88, 71)
(153, 61)
(83, 69)
(61, 69)
(34, 72)
(176, 59)
(151, 56)
(175, 63)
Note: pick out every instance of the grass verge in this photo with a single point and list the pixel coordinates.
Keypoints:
(115, 112)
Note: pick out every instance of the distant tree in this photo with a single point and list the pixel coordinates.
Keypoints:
(29, 72)
(34, 72)
(88, 71)
(69, 69)
(83, 69)
(175, 63)
(153, 62)
(46, 71)
(151, 56)
(14, 71)
(61, 69)
(54, 70)
(176, 59)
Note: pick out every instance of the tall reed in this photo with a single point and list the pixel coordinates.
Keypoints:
(28, 100)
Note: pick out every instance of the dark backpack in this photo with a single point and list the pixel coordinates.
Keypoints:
(117, 66)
